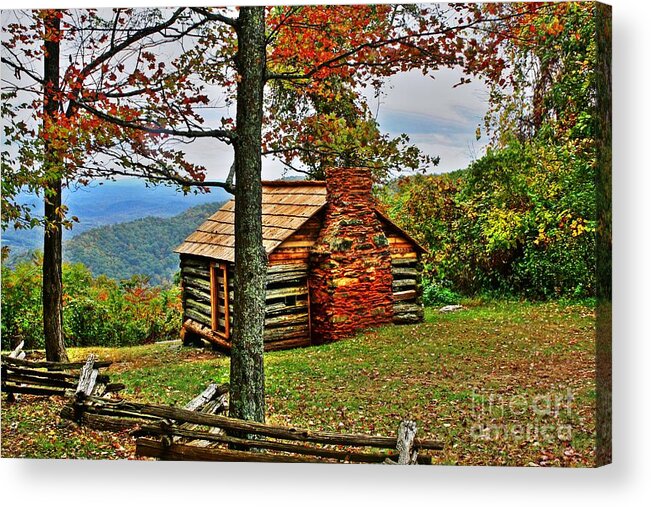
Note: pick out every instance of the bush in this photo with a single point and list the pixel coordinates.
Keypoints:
(562, 270)
(435, 294)
(96, 311)
(519, 222)
(22, 317)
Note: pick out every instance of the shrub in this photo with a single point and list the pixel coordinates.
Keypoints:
(519, 222)
(22, 317)
(96, 311)
(434, 294)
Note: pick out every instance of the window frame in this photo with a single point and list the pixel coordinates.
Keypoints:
(216, 290)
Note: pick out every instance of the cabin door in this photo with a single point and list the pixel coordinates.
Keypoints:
(219, 307)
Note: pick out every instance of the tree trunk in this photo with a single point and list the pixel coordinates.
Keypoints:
(603, 138)
(52, 282)
(247, 353)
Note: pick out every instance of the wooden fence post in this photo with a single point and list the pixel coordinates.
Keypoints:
(405, 445)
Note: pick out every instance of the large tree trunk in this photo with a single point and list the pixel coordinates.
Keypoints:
(247, 353)
(52, 283)
(603, 138)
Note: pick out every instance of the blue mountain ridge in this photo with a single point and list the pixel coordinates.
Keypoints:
(106, 203)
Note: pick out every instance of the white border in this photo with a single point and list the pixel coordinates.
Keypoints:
(625, 482)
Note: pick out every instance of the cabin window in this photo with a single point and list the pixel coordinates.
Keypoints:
(219, 299)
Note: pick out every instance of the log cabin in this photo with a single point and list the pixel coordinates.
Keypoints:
(335, 264)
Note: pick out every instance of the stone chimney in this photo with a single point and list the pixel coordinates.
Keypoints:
(350, 280)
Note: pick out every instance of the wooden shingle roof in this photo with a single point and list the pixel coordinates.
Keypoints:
(286, 205)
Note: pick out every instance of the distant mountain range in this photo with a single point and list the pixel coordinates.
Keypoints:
(139, 247)
(109, 203)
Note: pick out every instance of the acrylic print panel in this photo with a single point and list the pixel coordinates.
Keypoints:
(341, 234)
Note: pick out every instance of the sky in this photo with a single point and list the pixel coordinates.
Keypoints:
(440, 119)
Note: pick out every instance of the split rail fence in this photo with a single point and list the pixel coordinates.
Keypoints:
(199, 432)
(48, 378)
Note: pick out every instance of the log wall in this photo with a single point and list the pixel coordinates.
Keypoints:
(296, 248)
(195, 280)
(406, 269)
(287, 321)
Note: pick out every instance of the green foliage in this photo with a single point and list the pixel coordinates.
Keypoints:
(21, 304)
(518, 222)
(521, 221)
(434, 294)
(96, 311)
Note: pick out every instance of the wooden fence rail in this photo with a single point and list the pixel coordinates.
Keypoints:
(198, 432)
(47, 378)
(104, 414)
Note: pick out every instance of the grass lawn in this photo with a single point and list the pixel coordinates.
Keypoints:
(505, 383)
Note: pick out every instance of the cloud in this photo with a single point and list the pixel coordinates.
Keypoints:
(440, 119)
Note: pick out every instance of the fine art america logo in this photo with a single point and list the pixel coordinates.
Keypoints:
(520, 417)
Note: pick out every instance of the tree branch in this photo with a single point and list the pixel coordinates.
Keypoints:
(403, 40)
(115, 25)
(132, 93)
(225, 135)
(282, 22)
(115, 49)
(212, 16)
(151, 174)
(19, 68)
